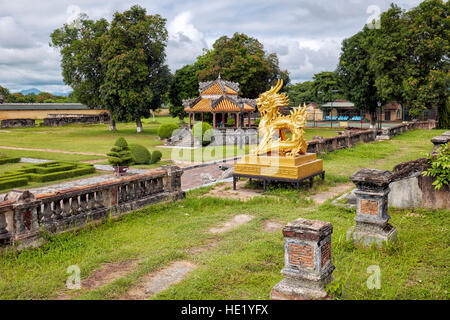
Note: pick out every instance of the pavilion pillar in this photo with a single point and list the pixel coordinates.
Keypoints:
(190, 120)
(236, 121)
(223, 120)
(203, 116)
(248, 116)
(214, 120)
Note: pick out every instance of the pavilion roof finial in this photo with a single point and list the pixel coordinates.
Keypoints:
(219, 76)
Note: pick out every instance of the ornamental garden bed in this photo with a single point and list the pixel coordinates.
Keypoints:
(44, 172)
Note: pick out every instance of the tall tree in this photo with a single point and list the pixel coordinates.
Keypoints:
(184, 86)
(428, 76)
(118, 66)
(323, 85)
(356, 77)
(133, 57)
(81, 48)
(5, 93)
(241, 59)
(301, 93)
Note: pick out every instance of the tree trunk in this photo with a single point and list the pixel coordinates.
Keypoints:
(112, 125)
(139, 125)
(373, 119)
(444, 116)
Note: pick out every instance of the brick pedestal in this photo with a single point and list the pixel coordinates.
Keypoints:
(372, 208)
(307, 266)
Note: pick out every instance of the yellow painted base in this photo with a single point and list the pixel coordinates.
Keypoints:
(281, 167)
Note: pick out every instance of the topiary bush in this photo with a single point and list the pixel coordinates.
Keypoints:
(230, 121)
(156, 156)
(120, 154)
(257, 121)
(140, 153)
(201, 133)
(165, 130)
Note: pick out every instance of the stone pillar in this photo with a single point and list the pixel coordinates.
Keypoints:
(172, 182)
(440, 140)
(307, 261)
(372, 208)
(4, 234)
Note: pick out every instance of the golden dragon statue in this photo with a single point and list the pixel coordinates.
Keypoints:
(273, 127)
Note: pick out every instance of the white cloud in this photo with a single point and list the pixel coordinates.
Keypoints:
(306, 34)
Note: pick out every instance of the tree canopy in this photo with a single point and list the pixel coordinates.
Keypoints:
(183, 86)
(241, 59)
(118, 66)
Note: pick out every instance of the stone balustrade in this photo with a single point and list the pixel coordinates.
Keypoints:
(23, 216)
(56, 120)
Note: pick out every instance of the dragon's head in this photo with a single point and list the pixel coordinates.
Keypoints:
(270, 101)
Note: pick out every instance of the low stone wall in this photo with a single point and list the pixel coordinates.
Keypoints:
(232, 136)
(24, 216)
(57, 120)
(388, 133)
(346, 140)
(17, 123)
(351, 137)
(410, 189)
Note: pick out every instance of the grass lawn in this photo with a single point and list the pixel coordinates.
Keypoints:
(14, 166)
(245, 263)
(98, 139)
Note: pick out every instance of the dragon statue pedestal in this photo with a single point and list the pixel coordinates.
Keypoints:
(281, 154)
(294, 169)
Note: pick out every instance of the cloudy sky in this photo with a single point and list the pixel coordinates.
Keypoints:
(305, 34)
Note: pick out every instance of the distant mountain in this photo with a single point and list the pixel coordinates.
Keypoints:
(28, 91)
(37, 91)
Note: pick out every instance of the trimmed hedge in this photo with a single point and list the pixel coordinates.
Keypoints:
(201, 132)
(140, 153)
(165, 130)
(156, 156)
(12, 183)
(9, 160)
(44, 172)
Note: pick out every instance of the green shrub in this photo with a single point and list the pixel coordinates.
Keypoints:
(257, 121)
(440, 167)
(9, 160)
(13, 183)
(156, 156)
(165, 130)
(140, 153)
(120, 154)
(44, 172)
(230, 121)
(201, 133)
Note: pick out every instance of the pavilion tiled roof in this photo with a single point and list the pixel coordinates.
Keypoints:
(219, 96)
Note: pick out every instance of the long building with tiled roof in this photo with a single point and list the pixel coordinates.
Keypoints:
(220, 97)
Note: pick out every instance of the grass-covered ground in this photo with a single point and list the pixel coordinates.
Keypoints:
(98, 139)
(245, 263)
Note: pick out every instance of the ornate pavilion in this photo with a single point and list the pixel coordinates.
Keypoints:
(220, 98)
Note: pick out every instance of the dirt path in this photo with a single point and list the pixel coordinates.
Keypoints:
(52, 150)
(332, 192)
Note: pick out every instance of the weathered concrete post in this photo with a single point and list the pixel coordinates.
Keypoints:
(372, 208)
(307, 261)
(440, 140)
